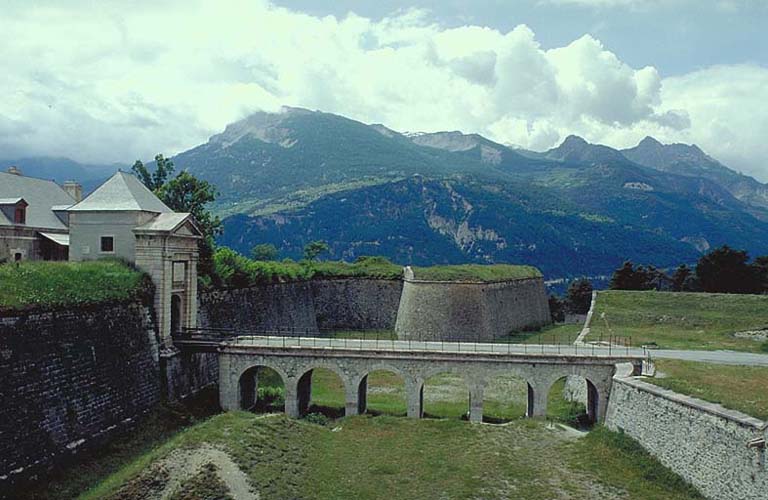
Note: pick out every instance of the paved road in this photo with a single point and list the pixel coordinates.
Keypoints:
(723, 357)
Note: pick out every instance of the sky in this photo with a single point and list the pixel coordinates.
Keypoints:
(113, 81)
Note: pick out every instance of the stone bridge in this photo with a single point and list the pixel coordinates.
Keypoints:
(295, 358)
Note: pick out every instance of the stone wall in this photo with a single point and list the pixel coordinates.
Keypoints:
(704, 443)
(259, 308)
(303, 307)
(431, 310)
(69, 378)
(356, 303)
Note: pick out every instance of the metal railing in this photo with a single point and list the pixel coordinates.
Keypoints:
(287, 337)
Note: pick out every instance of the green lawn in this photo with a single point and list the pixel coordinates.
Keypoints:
(67, 283)
(387, 457)
(553, 334)
(475, 272)
(697, 321)
(742, 388)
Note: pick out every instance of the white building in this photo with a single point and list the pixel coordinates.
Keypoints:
(120, 219)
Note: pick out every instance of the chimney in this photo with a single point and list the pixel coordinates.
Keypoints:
(14, 170)
(74, 189)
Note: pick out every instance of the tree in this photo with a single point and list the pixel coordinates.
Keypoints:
(682, 273)
(627, 277)
(185, 193)
(726, 270)
(624, 278)
(264, 251)
(314, 249)
(579, 296)
(154, 180)
(556, 309)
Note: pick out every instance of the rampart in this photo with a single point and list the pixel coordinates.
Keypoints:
(303, 306)
(70, 378)
(449, 310)
(721, 452)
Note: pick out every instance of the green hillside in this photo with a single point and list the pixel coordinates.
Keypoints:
(701, 321)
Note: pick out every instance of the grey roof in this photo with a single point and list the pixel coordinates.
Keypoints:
(168, 222)
(40, 194)
(60, 239)
(121, 192)
(11, 201)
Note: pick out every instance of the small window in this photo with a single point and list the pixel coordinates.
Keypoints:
(20, 215)
(107, 244)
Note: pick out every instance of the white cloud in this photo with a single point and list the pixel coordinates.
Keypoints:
(115, 83)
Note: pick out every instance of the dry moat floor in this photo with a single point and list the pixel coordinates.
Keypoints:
(189, 452)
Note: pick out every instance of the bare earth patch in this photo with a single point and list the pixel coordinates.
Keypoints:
(166, 477)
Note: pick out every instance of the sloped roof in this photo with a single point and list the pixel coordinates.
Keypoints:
(40, 194)
(167, 222)
(121, 192)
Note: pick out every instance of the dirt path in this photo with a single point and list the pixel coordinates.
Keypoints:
(184, 464)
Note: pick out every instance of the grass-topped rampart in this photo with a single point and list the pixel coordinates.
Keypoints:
(52, 284)
(236, 270)
(476, 273)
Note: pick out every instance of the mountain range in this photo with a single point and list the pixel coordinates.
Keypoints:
(292, 177)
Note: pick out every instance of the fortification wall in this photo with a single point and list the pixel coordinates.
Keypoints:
(704, 443)
(258, 308)
(431, 310)
(70, 377)
(356, 303)
(307, 306)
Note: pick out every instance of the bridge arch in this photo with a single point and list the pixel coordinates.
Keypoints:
(248, 384)
(410, 394)
(303, 389)
(577, 389)
(455, 382)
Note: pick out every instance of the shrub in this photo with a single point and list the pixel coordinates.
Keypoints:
(316, 418)
(764, 346)
(271, 396)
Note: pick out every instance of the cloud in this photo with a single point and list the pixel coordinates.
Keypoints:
(111, 83)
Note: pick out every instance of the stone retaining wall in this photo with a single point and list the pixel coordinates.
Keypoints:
(706, 444)
(71, 377)
(356, 303)
(437, 310)
(304, 307)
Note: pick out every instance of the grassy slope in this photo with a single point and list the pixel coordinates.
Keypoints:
(681, 320)
(741, 388)
(66, 283)
(387, 457)
(475, 272)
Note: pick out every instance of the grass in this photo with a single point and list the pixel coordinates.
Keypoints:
(233, 269)
(476, 272)
(68, 283)
(619, 463)
(386, 457)
(741, 388)
(552, 334)
(696, 321)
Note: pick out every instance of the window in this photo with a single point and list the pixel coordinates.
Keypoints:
(20, 215)
(108, 244)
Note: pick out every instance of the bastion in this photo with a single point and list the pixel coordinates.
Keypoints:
(470, 309)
